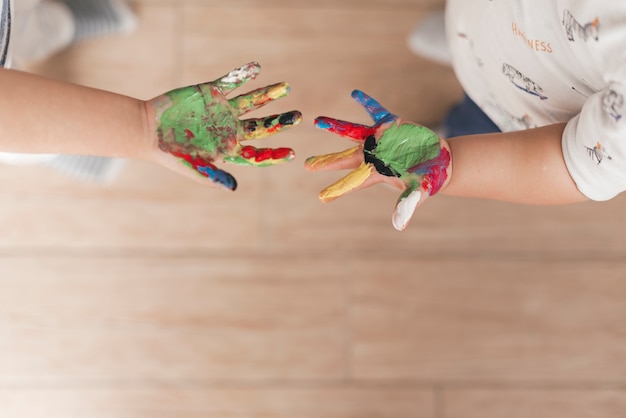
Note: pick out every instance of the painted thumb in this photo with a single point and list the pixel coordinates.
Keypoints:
(405, 208)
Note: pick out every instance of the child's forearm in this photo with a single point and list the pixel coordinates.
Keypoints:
(39, 115)
(521, 167)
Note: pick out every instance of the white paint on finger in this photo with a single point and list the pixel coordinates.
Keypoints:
(238, 75)
(405, 209)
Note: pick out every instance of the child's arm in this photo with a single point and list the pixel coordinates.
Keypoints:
(39, 115)
(188, 130)
(522, 167)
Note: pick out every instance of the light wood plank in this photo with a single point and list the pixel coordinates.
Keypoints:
(150, 207)
(68, 321)
(147, 207)
(361, 223)
(452, 320)
(180, 402)
(298, 5)
(535, 403)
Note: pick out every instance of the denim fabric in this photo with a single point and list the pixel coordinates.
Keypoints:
(466, 118)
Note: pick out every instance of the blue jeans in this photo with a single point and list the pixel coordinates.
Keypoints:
(466, 118)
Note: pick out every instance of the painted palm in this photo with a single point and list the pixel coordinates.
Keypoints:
(406, 155)
(201, 127)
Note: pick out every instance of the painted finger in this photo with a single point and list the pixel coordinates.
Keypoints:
(408, 201)
(345, 129)
(433, 172)
(209, 170)
(262, 157)
(253, 100)
(376, 111)
(218, 176)
(237, 77)
(361, 177)
(348, 159)
(270, 125)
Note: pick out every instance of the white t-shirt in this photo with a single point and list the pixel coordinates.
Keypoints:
(534, 63)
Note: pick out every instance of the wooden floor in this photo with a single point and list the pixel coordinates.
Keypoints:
(154, 297)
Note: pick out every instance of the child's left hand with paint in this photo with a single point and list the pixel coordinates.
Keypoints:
(408, 156)
(197, 127)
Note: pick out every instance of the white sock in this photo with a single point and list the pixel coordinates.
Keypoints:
(41, 31)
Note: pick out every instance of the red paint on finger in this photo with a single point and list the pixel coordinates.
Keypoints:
(248, 152)
(346, 129)
(263, 154)
(193, 161)
(282, 153)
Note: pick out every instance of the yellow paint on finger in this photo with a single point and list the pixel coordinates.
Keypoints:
(278, 90)
(321, 161)
(348, 183)
(261, 97)
(270, 93)
(260, 128)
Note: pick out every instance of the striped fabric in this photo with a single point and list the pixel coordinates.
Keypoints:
(96, 18)
(5, 31)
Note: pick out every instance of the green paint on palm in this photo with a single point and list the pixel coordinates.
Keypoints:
(190, 123)
(404, 146)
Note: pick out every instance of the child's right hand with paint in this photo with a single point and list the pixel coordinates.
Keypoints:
(408, 156)
(196, 127)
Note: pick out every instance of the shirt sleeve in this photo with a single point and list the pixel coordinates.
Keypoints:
(594, 141)
(594, 144)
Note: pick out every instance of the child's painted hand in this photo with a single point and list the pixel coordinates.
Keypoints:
(410, 157)
(197, 127)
